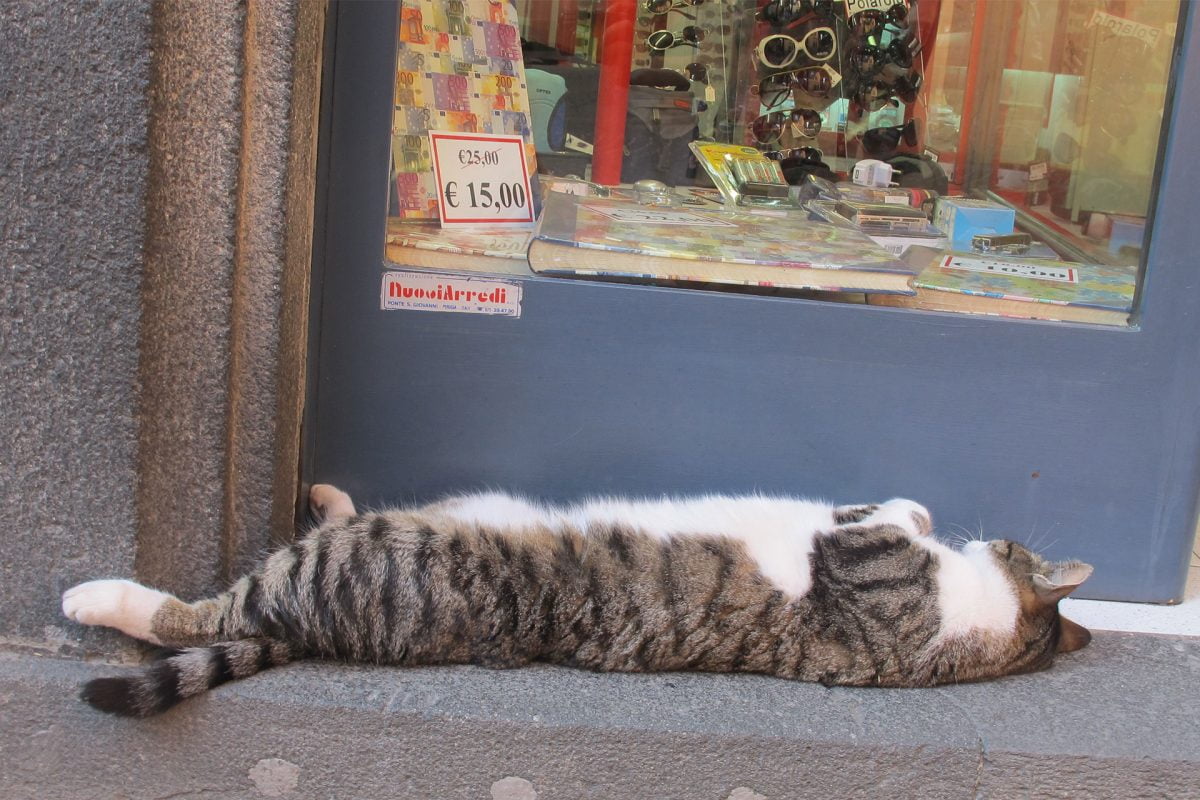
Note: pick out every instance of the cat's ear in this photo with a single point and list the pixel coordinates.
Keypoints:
(1063, 580)
(1072, 636)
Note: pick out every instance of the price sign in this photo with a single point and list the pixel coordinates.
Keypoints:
(481, 179)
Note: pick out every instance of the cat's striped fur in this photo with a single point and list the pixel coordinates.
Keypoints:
(857, 595)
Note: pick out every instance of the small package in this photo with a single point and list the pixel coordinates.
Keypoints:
(964, 218)
(743, 175)
(882, 216)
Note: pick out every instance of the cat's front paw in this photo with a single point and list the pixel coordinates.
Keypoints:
(120, 604)
(907, 514)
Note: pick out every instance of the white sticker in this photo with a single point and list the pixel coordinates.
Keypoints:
(657, 216)
(1037, 171)
(481, 179)
(858, 6)
(423, 291)
(1014, 269)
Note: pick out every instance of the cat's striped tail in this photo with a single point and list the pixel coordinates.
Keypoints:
(183, 674)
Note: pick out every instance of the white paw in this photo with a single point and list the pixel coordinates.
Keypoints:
(120, 604)
(911, 516)
(329, 502)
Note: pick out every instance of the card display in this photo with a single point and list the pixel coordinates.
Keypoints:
(458, 68)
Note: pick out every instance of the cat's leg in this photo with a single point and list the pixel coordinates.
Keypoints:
(148, 614)
(329, 503)
(911, 516)
(127, 606)
(852, 515)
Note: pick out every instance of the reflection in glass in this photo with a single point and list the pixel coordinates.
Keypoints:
(1052, 108)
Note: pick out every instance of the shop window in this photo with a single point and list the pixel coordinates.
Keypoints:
(993, 154)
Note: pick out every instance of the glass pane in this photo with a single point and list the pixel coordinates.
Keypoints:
(998, 132)
(1066, 115)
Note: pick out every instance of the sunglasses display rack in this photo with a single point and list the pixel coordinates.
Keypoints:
(700, 41)
(835, 82)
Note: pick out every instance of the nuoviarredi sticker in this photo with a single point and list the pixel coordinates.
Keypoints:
(423, 291)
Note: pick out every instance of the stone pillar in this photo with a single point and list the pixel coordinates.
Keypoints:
(158, 179)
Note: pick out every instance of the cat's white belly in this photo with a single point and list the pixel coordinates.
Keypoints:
(777, 532)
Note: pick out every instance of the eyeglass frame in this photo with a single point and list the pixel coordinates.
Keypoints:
(678, 38)
(835, 78)
(800, 46)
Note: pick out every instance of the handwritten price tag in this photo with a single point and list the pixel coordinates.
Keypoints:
(481, 179)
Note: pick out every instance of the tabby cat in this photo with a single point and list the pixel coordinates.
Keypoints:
(850, 595)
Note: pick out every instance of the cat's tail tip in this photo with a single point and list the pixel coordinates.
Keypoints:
(183, 674)
(113, 695)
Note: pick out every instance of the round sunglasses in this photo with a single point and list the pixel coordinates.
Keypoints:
(779, 50)
(665, 39)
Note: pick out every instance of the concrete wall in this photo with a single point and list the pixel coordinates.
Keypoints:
(157, 181)
(74, 176)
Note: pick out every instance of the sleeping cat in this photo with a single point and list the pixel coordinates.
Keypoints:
(849, 595)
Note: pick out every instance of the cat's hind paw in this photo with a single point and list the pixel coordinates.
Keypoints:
(328, 502)
(906, 514)
(127, 606)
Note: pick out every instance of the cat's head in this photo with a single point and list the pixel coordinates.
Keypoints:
(1041, 632)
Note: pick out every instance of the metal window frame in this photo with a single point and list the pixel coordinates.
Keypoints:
(1083, 438)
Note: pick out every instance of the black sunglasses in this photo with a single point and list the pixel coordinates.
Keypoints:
(869, 23)
(807, 155)
(882, 143)
(907, 87)
(871, 98)
(665, 39)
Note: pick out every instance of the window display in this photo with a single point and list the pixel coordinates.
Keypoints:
(943, 131)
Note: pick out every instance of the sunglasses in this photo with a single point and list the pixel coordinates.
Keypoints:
(867, 60)
(665, 40)
(807, 155)
(779, 50)
(667, 6)
(883, 142)
(647, 19)
(696, 71)
(871, 98)
(784, 12)
(815, 81)
(869, 23)
(907, 87)
(769, 128)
